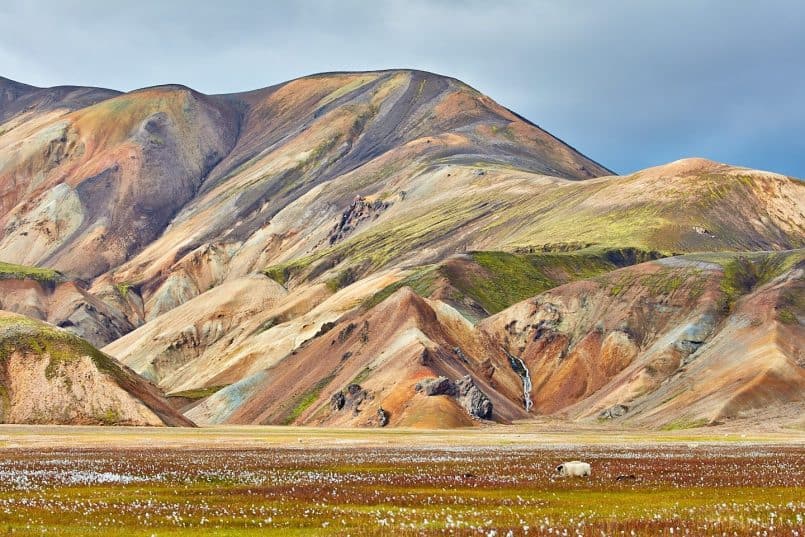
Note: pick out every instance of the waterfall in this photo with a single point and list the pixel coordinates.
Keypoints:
(519, 367)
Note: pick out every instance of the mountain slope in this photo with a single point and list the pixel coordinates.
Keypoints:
(678, 342)
(671, 342)
(383, 353)
(49, 376)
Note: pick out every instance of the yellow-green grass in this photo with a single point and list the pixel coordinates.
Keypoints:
(11, 271)
(496, 280)
(336, 489)
(511, 220)
(746, 271)
(198, 393)
(304, 401)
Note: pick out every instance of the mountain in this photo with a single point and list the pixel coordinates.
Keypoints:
(220, 245)
(677, 342)
(50, 376)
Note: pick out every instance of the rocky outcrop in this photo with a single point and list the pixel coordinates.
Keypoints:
(337, 401)
(359, 210)
(693, 336)
(382, 417)
(615, 411)
(349, 399)
(474, 401)
(437, 386)
(465, 391)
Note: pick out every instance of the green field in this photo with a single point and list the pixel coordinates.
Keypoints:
(292, 481)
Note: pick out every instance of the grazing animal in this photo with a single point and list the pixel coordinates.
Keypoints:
(629, 477)
(574, 469)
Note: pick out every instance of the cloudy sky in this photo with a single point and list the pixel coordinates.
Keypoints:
(631, 83)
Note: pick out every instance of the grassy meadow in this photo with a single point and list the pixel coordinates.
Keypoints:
(290, 481)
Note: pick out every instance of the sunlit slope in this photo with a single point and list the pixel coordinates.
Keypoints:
(82, 191)
(49, 376)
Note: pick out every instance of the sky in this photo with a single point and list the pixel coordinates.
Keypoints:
(630, 83)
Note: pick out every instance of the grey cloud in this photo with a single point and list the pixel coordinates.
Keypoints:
(631, 83)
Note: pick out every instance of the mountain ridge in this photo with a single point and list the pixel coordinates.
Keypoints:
(211, 241)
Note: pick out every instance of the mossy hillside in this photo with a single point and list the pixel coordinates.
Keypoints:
(664, 222)
(791, 303)
(304, 401)
(684, 423)
(662, 283)
(344, 278)
(644, 226)
(379, 245)
(559, 214)
(21, 334)
(529, 221)
(510, 278)
(786, 316)
(283, 272)
(516, 220)
(497, 280)
(123, 288)
(391, 239)
(746, 271)
(422, 281)
(11, 271)
(504, 279)
(362, 376)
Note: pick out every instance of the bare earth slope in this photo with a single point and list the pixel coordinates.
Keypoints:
(50, 376)
(673, 343)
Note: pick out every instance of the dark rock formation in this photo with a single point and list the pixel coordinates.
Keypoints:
(337, 401)
(359, 210)
(474, 401)
(351, 397)
(468, 395)
(615, 411)
(437, 386)
(382, 417)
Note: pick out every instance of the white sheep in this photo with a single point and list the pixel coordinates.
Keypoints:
(574, 469)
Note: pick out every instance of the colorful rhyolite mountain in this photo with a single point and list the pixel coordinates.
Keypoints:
(384, 248)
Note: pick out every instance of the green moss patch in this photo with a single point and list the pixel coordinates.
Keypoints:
(422, 281)
(304, 401)
(787, 316)
(497, 280)
(283, 272)
(123, 288)
(684, 423)
(747, 271)
(10, 271)
(198, 393)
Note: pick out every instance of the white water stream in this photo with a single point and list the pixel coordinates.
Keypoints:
(525, 374)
